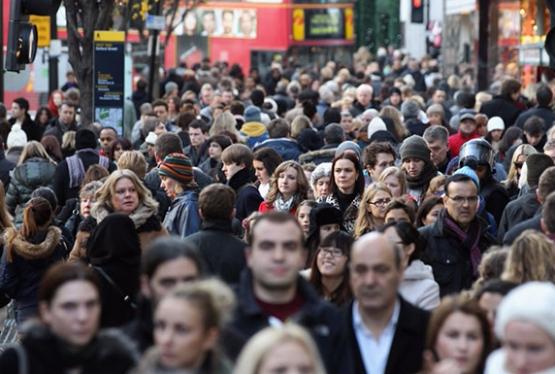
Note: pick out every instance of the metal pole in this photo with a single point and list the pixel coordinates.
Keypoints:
(483, 41)
(154, 46)
(53, 60)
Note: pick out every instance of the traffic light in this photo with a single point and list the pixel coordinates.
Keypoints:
(417, 11)
(22, 35)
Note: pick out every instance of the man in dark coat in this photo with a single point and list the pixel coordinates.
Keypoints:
(544, 98)
(455, 242)
(272, 292)
(237, 161)
(222, 252)
(527, 205)
(64, 123)
(380, 320)
(505, 105)
(546, 185)
(71, 171)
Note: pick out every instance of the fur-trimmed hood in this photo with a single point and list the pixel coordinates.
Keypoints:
(29, 250)
(139, 216)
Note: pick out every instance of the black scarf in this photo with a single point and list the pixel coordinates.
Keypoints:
(428, 172)
(242, 177)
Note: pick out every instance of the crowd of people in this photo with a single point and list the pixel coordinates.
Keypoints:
(373, 218)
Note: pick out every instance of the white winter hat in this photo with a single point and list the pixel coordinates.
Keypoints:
(151, 138)
(531, 302)
(16, 137)
(377, 124)
(496, 123)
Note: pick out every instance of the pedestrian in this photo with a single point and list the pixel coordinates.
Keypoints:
(66, 339)
(459, 338)
(28, 252)
(176, 175)
(371, 212)
(201, 309)
(288, 188)
(123, 192)
(265, 160)
(283, 349)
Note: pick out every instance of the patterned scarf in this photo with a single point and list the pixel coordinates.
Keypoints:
(469, 239)
(283, 205)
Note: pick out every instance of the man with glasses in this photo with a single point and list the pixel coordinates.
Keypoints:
(456, 241)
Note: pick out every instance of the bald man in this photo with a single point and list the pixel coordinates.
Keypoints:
(385, 334)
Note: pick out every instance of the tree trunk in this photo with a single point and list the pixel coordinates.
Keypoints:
(90, 16)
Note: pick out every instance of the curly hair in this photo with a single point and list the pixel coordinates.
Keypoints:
(531, 258)
(302, 183)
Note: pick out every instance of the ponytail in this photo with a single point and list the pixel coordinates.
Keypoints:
(36, 215)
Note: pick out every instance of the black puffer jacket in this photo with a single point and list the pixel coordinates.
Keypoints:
(33, 173)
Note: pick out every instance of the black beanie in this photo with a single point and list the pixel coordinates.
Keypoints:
(415, 147)
(85, 138)
(536, 163)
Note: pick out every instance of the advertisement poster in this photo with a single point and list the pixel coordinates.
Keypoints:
(222, 23)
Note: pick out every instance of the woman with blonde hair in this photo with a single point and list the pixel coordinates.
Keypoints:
(371, 212)
(34, 169)
(520, 155)
(123, 192)
(531, 258)
(288, 188)
(187, 325)
(134, 161)
(394, 178)
(298, 124)
(223, 123)
(280, 349)
(394, 114)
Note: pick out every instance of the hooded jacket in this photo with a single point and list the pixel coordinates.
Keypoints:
(419, 287)
(114, 252)
(31, 257)
(33, 173)
(255, 132)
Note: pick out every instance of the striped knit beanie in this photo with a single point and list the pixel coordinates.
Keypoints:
(177, 166)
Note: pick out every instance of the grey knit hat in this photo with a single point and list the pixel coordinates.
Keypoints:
(410, 109)
(415, 147)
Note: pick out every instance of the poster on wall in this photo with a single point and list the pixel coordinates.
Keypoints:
(223, 23)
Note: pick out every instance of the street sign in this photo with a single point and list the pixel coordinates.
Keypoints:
(109, 78)
(43, 28)
(155, 22)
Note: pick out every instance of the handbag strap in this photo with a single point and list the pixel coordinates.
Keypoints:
(126, 298)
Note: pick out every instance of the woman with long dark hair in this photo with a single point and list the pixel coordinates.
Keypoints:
(346, 188)
(66, 338)
(330, 268)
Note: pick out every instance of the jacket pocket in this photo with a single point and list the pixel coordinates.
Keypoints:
(444, 269)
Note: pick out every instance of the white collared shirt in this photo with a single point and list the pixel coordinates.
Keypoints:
(374, 351)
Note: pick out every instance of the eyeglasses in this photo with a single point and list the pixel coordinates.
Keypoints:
(380, 202)
(518, 165)
(333, 252)
(459, 200)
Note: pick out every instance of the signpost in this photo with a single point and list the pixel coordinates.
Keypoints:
(109, 78)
